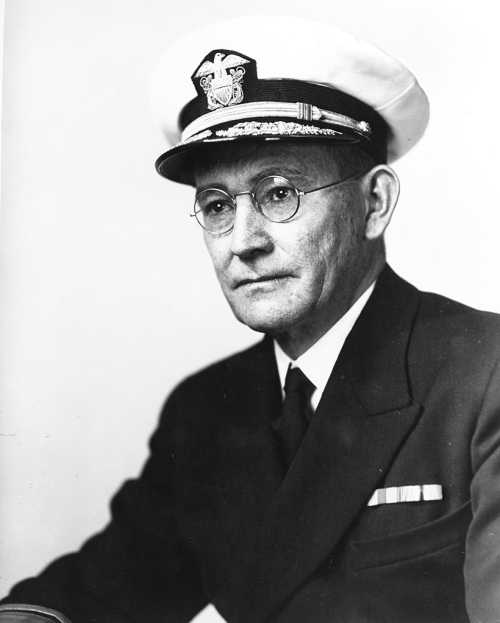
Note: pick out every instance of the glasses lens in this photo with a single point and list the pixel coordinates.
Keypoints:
(214, 210)
(277, 197)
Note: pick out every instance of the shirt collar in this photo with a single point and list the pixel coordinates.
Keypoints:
(318, 361)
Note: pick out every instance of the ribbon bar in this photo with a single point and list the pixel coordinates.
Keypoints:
(406, 493)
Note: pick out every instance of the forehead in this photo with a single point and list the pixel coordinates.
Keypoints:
(302, 160)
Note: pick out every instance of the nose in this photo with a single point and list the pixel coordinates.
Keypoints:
(250, 235)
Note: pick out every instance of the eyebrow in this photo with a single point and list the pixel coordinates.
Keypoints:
(269, 171)
(283, 171)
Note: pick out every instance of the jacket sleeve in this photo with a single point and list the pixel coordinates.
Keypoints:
(482, 560)
(138, 568)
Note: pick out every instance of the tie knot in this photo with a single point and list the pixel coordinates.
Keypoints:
(296, 382)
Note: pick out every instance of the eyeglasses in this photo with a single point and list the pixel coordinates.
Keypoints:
(274, 196)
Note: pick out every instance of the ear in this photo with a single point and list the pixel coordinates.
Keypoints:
(381, 191)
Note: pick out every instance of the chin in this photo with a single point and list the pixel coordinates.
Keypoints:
(270, 319)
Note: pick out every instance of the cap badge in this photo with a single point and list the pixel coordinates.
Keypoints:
(221, 78)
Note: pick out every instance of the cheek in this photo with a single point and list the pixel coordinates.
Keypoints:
(333, 247)
(218, 253)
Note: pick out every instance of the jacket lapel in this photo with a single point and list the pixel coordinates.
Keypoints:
(253, 400)
(364, 416)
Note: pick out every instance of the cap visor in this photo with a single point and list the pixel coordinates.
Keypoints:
(178, 164)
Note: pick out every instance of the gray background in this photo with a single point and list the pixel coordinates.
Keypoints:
(107, 295)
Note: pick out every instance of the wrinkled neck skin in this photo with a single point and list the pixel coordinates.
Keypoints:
(301, 337)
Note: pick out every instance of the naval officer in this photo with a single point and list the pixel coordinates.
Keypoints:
(346, 468)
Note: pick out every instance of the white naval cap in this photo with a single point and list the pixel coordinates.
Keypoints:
(282, 78)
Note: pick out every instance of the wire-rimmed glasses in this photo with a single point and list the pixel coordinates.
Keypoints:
(274, 196)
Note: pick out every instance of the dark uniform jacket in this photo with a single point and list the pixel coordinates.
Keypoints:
(414, 399)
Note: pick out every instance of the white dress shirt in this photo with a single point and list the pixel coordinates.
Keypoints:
(318, 361)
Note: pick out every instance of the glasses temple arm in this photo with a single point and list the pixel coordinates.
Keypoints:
(347, 179)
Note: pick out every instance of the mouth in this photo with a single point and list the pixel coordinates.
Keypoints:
(263, 279)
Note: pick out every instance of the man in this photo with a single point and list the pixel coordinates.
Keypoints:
(345, 468)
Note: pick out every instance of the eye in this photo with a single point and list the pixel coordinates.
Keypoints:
(279, 193)
(216, 207)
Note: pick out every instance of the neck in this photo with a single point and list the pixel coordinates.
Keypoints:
(298, 340)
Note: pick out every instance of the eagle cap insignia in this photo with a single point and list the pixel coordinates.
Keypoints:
(221, 76)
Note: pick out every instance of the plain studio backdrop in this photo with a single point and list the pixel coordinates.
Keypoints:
(108, 297)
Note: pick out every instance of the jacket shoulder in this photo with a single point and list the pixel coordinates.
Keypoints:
(452, 318)
(209, 388)
(453, 343)
(235, 363)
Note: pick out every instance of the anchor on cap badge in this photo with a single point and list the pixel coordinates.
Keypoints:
(221, 77)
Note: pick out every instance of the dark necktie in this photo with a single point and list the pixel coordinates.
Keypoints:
(296, 411)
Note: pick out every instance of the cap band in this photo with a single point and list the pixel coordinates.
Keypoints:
(253, 110)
